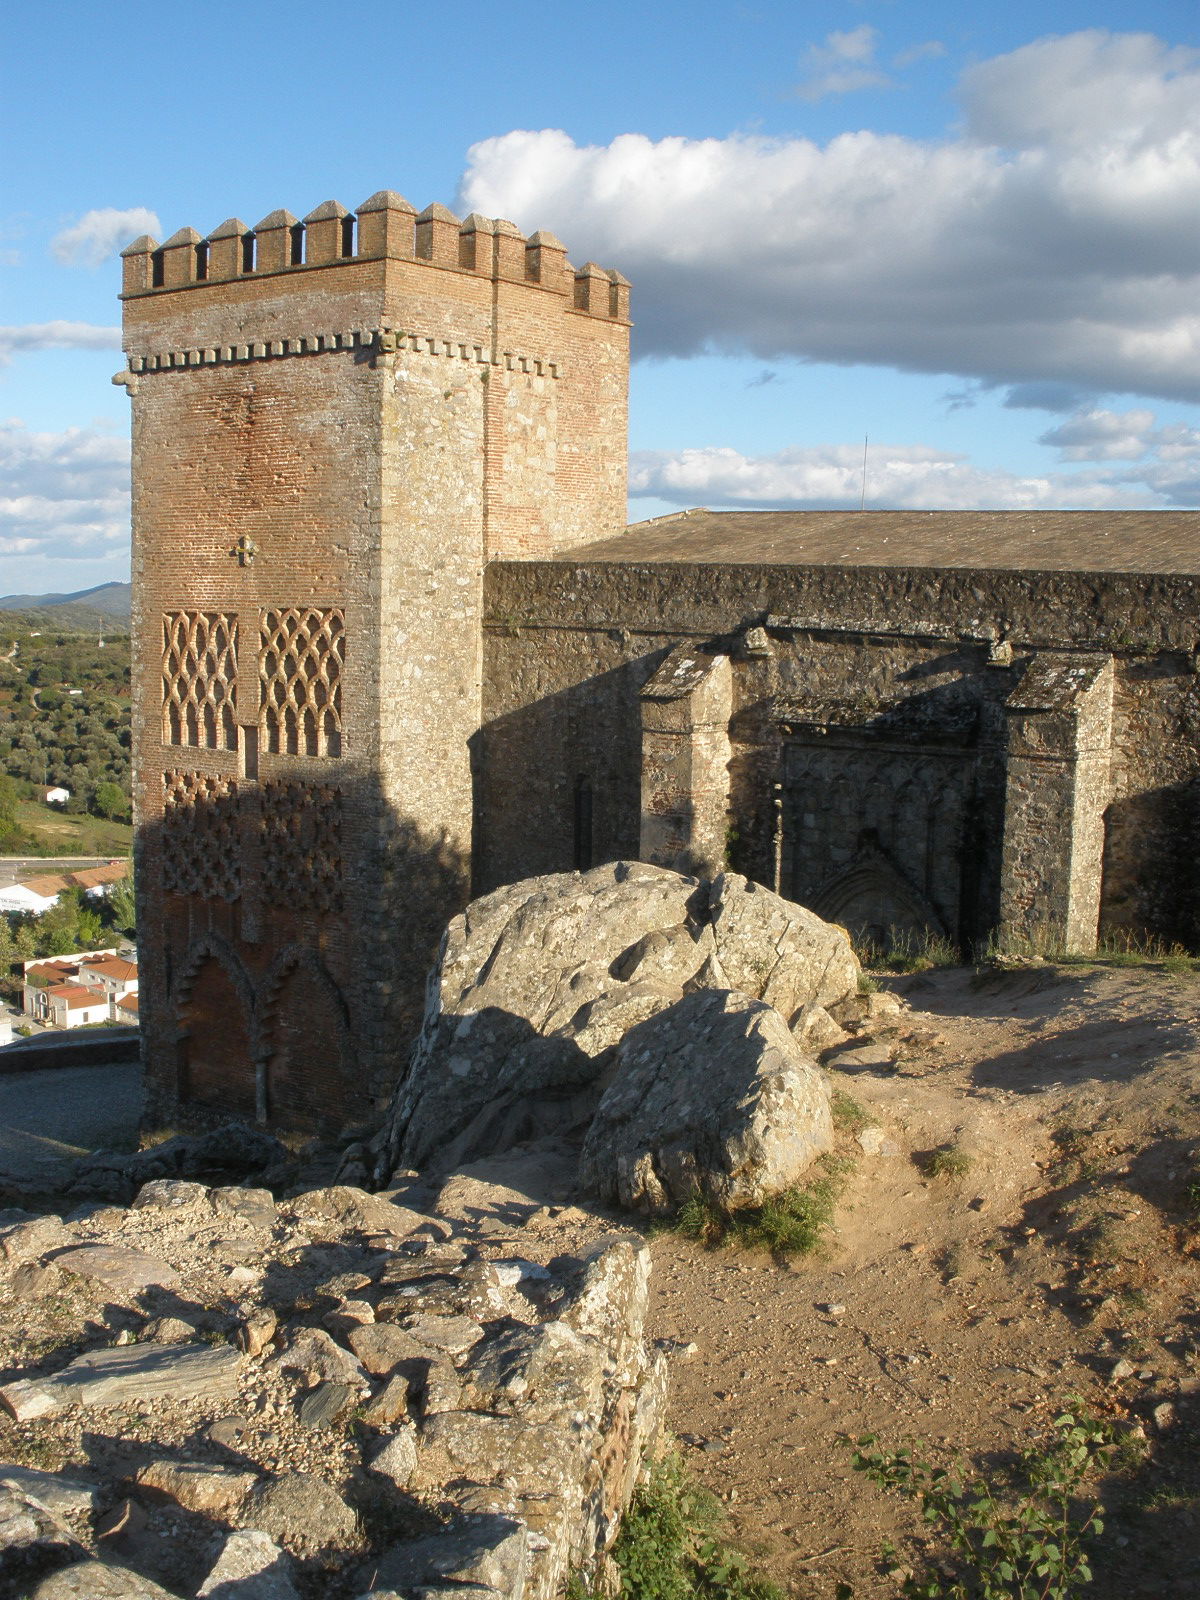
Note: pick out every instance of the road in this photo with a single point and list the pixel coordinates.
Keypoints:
(48, 1119)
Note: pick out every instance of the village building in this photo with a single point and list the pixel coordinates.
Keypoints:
(54, 988)
(33, 896)
(393, 645)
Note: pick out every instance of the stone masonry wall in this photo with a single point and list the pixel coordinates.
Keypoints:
(900, 666)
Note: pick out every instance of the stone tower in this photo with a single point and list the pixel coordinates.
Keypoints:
(336, 423)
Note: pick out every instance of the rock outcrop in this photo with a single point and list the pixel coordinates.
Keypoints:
(713, 1094)
(335, 1394)
(537, 985)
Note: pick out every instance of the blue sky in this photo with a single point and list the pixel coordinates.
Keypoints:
(969, 234)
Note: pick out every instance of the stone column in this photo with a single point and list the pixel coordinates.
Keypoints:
(1056, 791)
(686, 708)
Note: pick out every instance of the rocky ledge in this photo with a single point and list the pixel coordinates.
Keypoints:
(212, 1394)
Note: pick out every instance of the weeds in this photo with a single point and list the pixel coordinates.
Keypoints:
(1075, 1152)
(1191, 1191)
(904, 950)
(790, 1223)
(948, 1161)
(848, 1115)
(1098, 1240)
(1022, 1539)
(670, 1546)
(1123, 947)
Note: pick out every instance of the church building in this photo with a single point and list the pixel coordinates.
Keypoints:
(394, 646)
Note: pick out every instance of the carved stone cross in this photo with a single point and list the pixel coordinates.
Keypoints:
(245, 550)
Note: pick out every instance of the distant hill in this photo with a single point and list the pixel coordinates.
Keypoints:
(107, 602)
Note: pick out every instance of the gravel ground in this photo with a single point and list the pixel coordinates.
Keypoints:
(49, 1118)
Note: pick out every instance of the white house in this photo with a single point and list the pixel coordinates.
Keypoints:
(35, 895)
(115, 976)
(70, 1005)
(50, 972)
(58, 796)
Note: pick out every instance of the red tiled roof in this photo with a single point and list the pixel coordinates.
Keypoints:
(112, 967)
(76, 996)
(43, 971)
(44, 886)
(129, 1003)
(93, 877)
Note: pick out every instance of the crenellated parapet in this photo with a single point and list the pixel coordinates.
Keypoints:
(383, 227)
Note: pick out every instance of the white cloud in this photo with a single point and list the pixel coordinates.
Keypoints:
(899, 477)
(1168, 457)
(101, 233)
(1103, 436)
(1051, 241)
(844, 63)
(56, 336)
(63, 495)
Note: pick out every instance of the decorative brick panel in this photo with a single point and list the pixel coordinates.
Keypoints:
(301, 652)
(200, 836)
(199, 679)
(301, 827)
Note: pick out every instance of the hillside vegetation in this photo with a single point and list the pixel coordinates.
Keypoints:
(64, 719)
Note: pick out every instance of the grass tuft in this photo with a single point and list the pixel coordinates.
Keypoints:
(904, 950)
(848, 1115)
(948, 1161)
(671, 1548)
(790, 1223)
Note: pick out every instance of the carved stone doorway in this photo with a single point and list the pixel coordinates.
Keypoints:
(874, 835)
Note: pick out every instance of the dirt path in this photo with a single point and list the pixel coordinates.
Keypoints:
(975, 1303)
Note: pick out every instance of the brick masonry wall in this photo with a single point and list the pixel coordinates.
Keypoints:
(331, 448)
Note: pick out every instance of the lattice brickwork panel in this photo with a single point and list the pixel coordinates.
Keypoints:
(201, 847)
(301, 653)
(302, 844)
(199, 673)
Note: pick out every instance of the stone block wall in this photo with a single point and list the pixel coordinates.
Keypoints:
(880, 766)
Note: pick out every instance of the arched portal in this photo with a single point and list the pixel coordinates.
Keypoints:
(216, 1062)
(305, 1044)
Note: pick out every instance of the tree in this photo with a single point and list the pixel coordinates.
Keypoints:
(9, 828)
(108, 801)
(122, 907)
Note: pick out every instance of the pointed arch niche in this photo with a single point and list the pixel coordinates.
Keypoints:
(214, 1009)
(305, 1043)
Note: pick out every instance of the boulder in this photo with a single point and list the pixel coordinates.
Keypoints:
(97, 1580)
(779, 952)
(60, 1495)
(233, 1150)
(212, 1491)
(302, 1512)
(123, 1375)
(487, 1554)
(714, 1095)
(122, 1270)
(251, 1566)
(537, 985)
(396, 1457)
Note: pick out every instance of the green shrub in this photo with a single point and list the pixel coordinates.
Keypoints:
(948, 1161)
(670, 1545)
(790, 1223)
(1023, 1539)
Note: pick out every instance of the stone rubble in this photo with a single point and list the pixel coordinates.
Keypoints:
(391, 1400)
